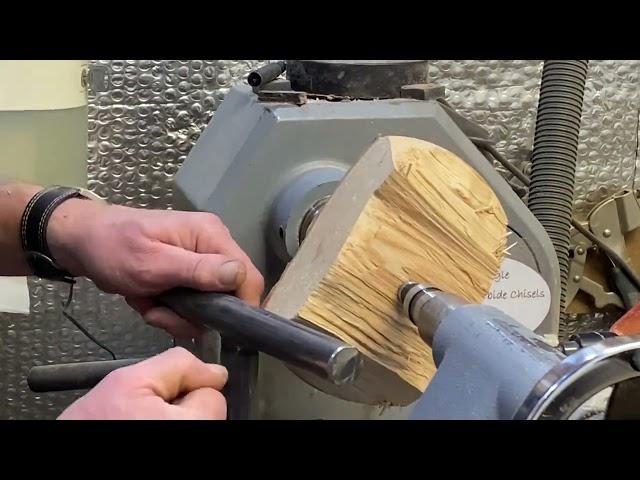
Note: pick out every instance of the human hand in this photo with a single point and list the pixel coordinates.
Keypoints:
(174, 385)
(140, 253)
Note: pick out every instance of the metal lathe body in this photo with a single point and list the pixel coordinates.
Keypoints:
(277, 150)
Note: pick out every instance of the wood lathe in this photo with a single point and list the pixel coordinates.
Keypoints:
(270, 163)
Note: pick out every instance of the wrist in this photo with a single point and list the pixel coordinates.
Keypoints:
(67, 233)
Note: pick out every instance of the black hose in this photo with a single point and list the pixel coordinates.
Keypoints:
(555, 153)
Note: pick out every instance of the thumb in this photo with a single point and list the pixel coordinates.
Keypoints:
(203, 404)
(176, 371)
(200, 271)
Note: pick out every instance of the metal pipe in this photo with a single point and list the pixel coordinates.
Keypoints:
(258, 329)
(242, 365)
(265, 74)
(243, 327)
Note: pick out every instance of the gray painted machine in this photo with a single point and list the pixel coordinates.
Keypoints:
(274, 154)
(490, 367)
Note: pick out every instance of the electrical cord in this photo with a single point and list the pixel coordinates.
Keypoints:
(85, 332)
(67, 315)
(487, 146)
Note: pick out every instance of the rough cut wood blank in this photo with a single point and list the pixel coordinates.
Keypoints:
(407, 211)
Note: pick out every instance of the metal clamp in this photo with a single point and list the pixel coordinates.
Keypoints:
(612, 218)
(609, 221)
(423, 91)
(96, 78)
(578, 280)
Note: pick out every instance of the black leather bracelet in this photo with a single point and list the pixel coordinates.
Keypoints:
(33, 232)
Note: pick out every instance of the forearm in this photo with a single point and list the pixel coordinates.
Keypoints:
(13, 200)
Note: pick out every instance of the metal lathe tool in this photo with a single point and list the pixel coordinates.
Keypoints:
(250, 327)
(490, 367)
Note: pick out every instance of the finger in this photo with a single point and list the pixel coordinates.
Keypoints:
(166, 319)
(208, 236)
(252, 286)
(177, 371)
(202, 404)
(140, 304)
(200, 271)
(250, 283)
(215, 238)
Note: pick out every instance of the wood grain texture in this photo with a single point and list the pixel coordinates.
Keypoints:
(407, 210)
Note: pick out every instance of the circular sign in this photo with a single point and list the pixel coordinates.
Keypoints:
(520, 292)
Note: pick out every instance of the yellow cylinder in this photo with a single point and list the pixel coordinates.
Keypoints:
(43, 122)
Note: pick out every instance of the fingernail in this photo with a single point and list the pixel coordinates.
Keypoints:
(218, 369)
(228, 274)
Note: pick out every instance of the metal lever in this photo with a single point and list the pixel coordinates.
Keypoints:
(251, 327)
(258, 329)
(73, 376)
(265, 74)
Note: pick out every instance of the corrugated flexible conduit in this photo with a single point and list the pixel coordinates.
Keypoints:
(555, 153)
